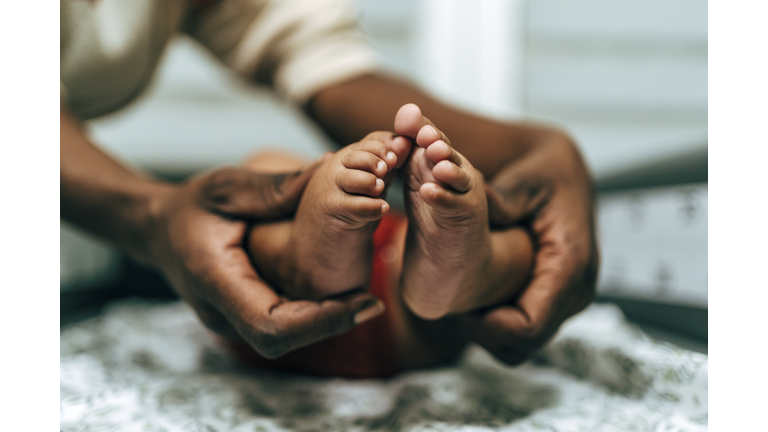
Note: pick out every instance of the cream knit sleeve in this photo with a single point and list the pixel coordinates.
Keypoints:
(297, 46)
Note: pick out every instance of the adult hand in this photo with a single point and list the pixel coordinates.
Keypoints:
(548, 190)
(199, 234)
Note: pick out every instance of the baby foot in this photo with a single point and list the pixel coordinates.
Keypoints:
(448, 243)
(331, 243)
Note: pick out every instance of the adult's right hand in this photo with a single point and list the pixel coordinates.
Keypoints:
(199, 231)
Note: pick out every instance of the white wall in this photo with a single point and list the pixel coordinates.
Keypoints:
(470, 53)
(627, 77)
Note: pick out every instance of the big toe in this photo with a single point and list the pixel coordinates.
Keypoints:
(409, 120)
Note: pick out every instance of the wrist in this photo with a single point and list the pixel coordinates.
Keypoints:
(148, 222)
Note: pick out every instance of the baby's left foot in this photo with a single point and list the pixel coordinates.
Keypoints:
(449, 242)
(331, 241)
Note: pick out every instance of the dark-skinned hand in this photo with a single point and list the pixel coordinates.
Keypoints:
(549, 191)
(199, 246)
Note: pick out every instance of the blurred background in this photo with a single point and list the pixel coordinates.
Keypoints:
(627, 78)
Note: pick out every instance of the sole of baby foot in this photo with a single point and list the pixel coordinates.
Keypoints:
(448, 243)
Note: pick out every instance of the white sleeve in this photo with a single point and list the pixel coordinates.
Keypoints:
(297, 46)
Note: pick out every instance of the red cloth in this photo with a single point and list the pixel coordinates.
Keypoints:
(366, 351)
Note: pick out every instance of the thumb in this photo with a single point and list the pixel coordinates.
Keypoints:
(513, 200)
(241, 193)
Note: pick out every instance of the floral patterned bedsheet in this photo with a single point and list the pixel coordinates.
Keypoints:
(152, 367)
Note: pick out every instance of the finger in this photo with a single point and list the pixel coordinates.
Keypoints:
(214, 320)
(513, 333)
(511, 200)
(238, 192)
(273, 325)
(301, 323)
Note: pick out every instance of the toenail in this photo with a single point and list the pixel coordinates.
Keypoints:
(380, 165)
(390, 155)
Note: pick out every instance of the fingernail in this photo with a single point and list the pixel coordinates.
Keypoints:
(384, 207)
(432, 129)
(390, 155)
(369, 312)
(380, 165)
(379, 182)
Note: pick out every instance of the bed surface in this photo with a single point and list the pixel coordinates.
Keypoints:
(150, 366)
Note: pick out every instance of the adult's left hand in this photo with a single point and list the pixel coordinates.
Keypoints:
(549, 190)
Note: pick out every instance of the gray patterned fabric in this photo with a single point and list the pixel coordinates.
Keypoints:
(152, 367)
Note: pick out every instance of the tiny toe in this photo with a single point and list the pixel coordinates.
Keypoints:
(449, 173)
(428, 135)
(359, 183)
(365, 161)
(440, 150)
(358, 208)
(401, 146)
(440, 198)
(379, 148)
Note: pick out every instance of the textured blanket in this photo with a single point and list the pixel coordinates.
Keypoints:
(153, 367)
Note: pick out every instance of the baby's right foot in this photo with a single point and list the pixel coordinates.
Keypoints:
(331, 242)
(448, 247)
